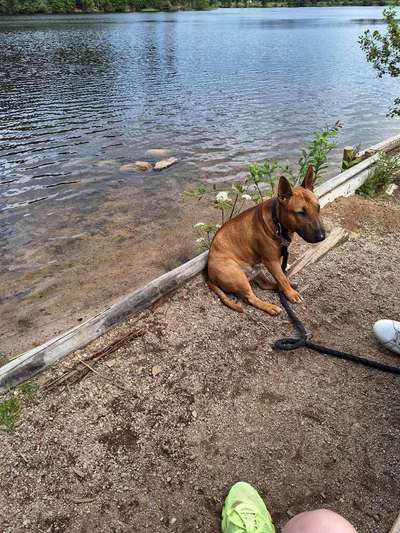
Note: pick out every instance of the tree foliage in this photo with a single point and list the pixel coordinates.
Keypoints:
(16, 7)
(383, 50)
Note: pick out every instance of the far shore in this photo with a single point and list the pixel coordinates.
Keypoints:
(202, 7)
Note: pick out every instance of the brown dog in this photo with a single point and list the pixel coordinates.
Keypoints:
(256, 236)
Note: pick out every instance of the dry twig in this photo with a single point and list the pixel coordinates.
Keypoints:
(77, 373)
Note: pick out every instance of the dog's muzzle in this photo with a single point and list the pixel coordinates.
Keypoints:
(313, 237)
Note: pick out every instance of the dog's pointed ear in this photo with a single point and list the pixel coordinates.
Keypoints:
(308, 181)
(284, 189)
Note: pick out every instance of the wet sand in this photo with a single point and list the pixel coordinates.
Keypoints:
(59, 282)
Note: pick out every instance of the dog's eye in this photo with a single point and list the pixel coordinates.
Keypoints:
(301, 213)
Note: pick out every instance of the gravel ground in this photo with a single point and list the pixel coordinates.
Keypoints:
(155, 438)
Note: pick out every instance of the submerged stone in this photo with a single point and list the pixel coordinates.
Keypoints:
(165, 163)
(137, 165)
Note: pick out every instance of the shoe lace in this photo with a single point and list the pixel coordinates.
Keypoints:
(248, 519)
(250, 522)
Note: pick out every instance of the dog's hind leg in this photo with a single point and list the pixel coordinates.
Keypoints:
(264, 283)
(225, 298)
(230, 277)
(255, 301)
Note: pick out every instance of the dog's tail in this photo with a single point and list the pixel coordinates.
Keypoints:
(225, 299)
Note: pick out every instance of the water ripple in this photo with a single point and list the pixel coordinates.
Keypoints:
(218, 89)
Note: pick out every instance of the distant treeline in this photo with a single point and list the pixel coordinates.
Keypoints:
(17, 7)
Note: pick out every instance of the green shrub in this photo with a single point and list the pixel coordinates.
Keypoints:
(385, 172)
(11, 407)
(318, 150)
(10, 410)
(201, 4)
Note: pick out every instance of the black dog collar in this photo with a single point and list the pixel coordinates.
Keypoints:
(280, 231)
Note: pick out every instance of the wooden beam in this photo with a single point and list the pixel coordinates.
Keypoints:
(346, 183)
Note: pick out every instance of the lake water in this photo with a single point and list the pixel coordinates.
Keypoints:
(82, 95)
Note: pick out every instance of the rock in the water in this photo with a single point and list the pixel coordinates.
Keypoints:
(165, 163)
(137, 165)
(158, 152)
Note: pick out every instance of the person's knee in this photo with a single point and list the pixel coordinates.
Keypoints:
(320, 521)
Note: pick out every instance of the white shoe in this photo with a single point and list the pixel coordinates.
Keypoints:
(388, 333)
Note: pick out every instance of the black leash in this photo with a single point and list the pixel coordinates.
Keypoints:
(304, 338)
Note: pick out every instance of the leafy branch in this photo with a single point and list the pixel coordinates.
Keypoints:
(383, 50)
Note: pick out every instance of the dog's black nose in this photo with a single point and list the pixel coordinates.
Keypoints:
(321, 235)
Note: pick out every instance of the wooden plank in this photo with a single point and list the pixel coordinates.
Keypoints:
(34, 361)
(30, 363)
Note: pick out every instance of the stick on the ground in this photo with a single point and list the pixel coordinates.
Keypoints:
(115, 383)
(77, 373)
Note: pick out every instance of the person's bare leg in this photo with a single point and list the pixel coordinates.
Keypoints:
(320, 521)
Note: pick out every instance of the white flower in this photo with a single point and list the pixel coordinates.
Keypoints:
(199, 225)
(246, 196)
(222, 196)
(199, 241)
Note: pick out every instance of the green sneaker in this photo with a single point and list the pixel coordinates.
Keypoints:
(245, 511)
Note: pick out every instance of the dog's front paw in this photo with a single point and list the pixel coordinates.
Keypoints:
(273, 310)
(293, 296)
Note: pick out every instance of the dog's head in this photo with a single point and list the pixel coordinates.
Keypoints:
(299, 208)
